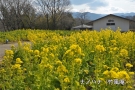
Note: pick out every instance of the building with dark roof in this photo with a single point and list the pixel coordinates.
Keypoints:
(113, 22)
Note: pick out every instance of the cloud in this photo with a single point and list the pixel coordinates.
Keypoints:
(104, 7)
(80, 8)
(131, 0)
(92, 4)
(97, 4)
(79, 2)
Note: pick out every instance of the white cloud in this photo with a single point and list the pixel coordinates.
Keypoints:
(110, 6)
(78, 8)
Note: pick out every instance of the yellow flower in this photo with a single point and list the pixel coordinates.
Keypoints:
(66, 80)
(36, 52)
(72, 47)
(48, 66)
(113, 41)
(115, 69)
(106, 72)
(31, 51)
(18, 61)
(26, 48)
(123, 75)
(113, 74)
(78, 61)
(110, 74)
(129, 65)
(9, 52)
(69, 52)
(75, 48)
(16, 66)
(131, 73)
(100, 48)
(124, 53)
(58, 62)
(115, 48)
(62, 69)
(105, 67)
(79, 51)
(52, 55)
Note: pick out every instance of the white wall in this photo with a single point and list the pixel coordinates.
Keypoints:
(119, 22)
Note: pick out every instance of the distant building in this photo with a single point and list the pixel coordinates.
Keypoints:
(113, 22)
(82, 27)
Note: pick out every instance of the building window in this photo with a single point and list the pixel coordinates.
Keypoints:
(108, 24)
(112, 23)
(110, 20)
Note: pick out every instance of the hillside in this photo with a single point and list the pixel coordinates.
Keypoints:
(93, 16)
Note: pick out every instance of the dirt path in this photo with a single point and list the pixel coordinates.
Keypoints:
(4, 47)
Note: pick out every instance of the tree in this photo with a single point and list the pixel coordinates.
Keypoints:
(66, 22)
(82, 17)
(16, 14)
(53, 10)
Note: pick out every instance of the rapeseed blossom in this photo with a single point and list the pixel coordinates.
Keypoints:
(58, 62)
(131, 73)
(26, 48)
(9, 52)
(113, 41)
(115, 69)
(78, 61)
(75, 48)
(106, 72)
(52, 55)
(69, 52)
(110, 74)
(100, 48)
(123, 75)
(18, 61)
(105, 67)
(62, 69)
(113, 74)
(59, 58)
(48, 66)
(36, 52)
(66, 80)
(129, 65)
(123, 52)
(16, 66)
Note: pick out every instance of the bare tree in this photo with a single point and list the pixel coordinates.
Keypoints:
(16, 14)
(53, 11)
(66, 22)
(82, 17)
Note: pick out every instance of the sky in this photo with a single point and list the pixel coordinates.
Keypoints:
(103, 6)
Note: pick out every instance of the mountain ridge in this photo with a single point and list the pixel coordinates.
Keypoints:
(94, 16)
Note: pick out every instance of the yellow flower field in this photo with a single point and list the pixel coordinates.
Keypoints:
(68, 60)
